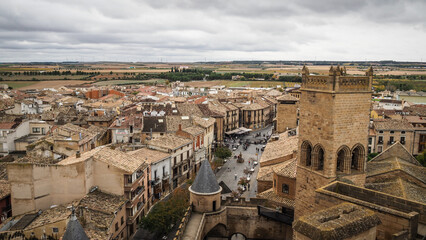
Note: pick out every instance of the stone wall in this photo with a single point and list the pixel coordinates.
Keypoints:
(263, 185)
(286, 116)
(245, 220)
(396, 214)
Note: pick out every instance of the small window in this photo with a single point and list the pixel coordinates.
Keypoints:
(402, 132)
(392, 132)
(275, 182)
(36, 130)
(122, 221)
(116, 226)
(55, 230)
(380, 131)
(285, 188)
(122, 234)
(402, 140)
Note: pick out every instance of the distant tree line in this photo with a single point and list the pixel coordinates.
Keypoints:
(48, 73)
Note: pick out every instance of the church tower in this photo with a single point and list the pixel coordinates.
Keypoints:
(333, 132)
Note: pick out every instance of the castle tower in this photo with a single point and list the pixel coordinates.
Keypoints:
(333, 132)
(205, 192)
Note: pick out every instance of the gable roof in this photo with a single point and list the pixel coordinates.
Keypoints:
(121, 160)
(396, 150)
(205, 181)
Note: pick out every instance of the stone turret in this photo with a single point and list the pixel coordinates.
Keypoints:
(205, 191)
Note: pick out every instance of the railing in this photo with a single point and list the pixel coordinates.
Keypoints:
(183, 223)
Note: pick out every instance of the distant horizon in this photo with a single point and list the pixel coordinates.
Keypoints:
(219, 61)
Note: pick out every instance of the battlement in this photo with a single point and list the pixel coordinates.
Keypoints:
(337, 81)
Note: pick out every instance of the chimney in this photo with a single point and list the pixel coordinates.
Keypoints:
(77, 155)
(180, 127)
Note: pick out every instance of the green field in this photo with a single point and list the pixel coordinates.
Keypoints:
(128, 82)
(257, 83)
(44, 77)
(18, 84)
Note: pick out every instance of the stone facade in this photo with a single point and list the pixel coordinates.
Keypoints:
(333, 132)
(287, 114)
(205, 202)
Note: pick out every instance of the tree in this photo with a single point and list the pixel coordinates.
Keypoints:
(422, 158)
(166, 213)
(223, 152)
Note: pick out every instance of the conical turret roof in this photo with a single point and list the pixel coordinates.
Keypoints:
(205, 181)
(74, 230)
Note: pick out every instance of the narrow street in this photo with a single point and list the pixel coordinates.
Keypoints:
(232, 167)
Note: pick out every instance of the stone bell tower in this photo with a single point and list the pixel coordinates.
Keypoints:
(333, 132)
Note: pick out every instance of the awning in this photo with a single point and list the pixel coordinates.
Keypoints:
(239, 131)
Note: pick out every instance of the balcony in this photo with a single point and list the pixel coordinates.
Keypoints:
(380, 142)
(391, 142)
(136, 192)
(402, 142)
(139, 174)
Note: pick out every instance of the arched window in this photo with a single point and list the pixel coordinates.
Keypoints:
(340, 160)
(306, 154)
(320, 159)
(358, 155)
(343, 159)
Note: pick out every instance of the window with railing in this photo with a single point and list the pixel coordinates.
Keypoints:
(128, 179)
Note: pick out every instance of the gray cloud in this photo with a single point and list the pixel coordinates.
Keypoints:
(190, 30)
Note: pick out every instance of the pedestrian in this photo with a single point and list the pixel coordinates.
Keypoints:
(235, 176)
(248, 185)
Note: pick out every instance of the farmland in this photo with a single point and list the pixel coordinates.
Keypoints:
(23, 85)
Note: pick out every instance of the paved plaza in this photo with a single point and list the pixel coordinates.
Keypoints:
(232, 167)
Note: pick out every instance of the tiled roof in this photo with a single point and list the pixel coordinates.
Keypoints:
(272, 196)
(4, 189)
(50, 215)
(204, 121)
(150, 155)
(194, 130)
(186, 109)
(169, 141)
(265, 173)
(330, 223)
(287, 168)
(392, 124)
(8, 125)
(174, 121)
(282, 147)
(116, 158)
(287, 97)
(400, 187)
(396, 164)
(103, 202)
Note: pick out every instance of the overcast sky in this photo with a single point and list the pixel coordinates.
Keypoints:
(212, 30)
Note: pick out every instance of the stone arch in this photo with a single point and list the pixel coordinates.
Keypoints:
(218, 231)
(238, 236)
(343, 159)
(358, 157)
(318, 155)
(306, 154)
